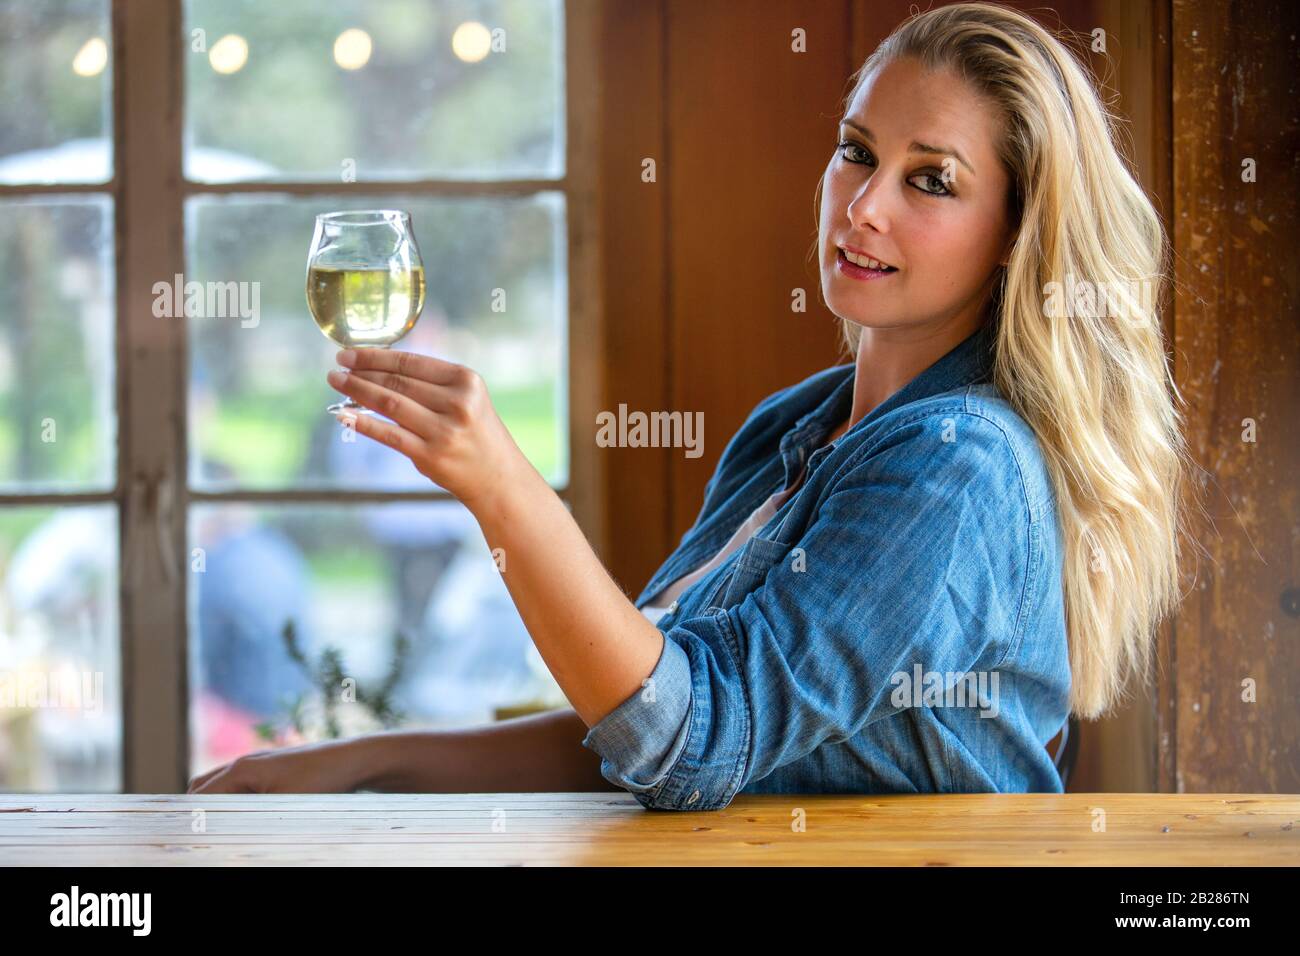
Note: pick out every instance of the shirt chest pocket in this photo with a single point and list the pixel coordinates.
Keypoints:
(748, 570)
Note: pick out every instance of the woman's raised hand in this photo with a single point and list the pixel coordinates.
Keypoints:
(442, 418)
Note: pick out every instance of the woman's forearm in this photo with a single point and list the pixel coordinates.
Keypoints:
(598, 646)
(536, 753)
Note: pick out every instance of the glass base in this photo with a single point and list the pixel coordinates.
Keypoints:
(350, 407)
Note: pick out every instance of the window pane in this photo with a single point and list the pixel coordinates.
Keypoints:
(257, 382)
(58, 425)
(55, 120)
(60, 679)
(350, 579)
(381, 89)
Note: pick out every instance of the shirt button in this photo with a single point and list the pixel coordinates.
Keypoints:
(693, 797)
(672, 607)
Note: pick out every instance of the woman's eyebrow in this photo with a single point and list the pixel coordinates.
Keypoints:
(915, 147)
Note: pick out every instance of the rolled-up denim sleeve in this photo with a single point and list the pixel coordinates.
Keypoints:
(919, 555)
(640, 740)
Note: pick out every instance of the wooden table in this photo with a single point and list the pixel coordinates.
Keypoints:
(613, 829)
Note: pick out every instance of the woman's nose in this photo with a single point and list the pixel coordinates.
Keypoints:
(870, 208)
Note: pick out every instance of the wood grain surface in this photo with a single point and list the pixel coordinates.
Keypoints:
(613, 829)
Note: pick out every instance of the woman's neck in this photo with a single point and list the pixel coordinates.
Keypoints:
(890, 358)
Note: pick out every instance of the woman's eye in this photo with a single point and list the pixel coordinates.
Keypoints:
(847, 145)
(934, 184)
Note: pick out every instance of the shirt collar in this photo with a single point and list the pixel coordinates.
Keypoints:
(968, 362)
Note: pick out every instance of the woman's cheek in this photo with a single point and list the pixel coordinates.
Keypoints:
(947, 255)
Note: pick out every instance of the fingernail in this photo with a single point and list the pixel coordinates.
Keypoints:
(347, 357)
(337, 377)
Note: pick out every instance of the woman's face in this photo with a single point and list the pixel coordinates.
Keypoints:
(918, 187)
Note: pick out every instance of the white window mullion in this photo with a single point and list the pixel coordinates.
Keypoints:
(151, 396)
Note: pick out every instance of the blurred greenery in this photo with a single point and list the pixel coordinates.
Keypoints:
(347, 568)
(532, 416)
(17, 523)
(55, 270)
(55, 257)
(269, 450)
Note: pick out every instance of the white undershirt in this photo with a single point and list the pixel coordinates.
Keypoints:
(761, 515)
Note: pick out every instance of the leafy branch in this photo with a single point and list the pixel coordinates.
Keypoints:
(327, 675)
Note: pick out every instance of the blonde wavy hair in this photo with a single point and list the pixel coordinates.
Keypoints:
(1095, 388)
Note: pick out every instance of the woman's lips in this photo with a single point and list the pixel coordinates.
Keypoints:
(860, 273)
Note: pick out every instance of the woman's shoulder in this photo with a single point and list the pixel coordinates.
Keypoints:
(973, 424)
(984, 401)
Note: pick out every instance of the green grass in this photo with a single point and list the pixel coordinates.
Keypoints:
(347, 567)
(530, 414)
(263, 438)
(260, 450)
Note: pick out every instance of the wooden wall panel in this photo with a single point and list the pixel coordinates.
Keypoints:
(752, 125)
(634, 271)
(1238, 351)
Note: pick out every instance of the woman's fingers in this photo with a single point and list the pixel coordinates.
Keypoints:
(402, 409)
(223, 782)
(203, 778)
(395, 436)
(441, 414)
(424, 368)
(434, 397)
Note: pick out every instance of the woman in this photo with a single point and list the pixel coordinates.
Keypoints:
(907, 570)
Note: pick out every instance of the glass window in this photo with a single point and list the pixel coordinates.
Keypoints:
(382, 89)
(55, 117)
(60, 700)
(462, 104)
(57, 422)
(496, 300)
(349, 93)
(60, 673)
(347, 581)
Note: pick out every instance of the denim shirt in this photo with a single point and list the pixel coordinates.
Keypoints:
(898, 626)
